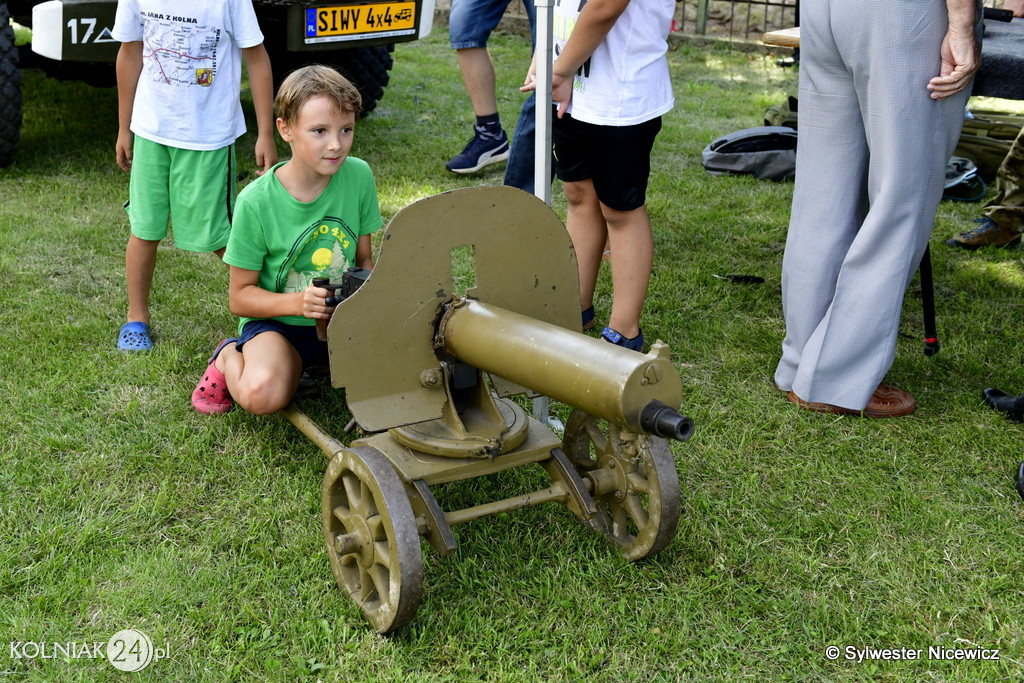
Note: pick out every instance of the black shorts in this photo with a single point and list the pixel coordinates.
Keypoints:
(616, 158)
(302, 338)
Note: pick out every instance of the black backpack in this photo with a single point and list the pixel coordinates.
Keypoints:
(767, 152)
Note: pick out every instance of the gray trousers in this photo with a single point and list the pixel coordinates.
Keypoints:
(871, 160)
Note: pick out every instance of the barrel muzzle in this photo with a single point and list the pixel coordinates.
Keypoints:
(660, 420)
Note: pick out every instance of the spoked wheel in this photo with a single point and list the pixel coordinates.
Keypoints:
(633, 482)
(371, 536)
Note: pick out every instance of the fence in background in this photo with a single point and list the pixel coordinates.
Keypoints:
(745, 19)
(736, 19)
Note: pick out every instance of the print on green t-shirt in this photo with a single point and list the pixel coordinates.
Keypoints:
(325, 249)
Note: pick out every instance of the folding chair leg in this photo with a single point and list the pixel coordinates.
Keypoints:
(931, 339)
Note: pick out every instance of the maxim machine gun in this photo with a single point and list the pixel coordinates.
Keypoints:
(414, 358)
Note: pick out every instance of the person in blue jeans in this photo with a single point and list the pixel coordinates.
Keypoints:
(469, 26)
(519, 170)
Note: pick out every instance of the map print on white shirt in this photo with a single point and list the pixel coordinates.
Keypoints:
(181, 53)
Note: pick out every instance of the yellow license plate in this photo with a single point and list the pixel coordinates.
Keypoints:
(338, 23)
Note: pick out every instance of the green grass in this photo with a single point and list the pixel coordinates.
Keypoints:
(120, 507)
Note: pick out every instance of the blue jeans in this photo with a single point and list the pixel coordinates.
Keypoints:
(469, 26)
(470, 22)
(519, 169)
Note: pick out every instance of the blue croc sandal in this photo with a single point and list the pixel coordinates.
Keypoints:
(134, 336)
(634, 344)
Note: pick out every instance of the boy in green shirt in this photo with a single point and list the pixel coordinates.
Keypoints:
(311, 216)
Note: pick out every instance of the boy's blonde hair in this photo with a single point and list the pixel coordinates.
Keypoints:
(312, 81)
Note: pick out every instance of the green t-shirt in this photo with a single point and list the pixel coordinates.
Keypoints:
(291, 242)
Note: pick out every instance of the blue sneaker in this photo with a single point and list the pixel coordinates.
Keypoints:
(634, 344)
(479, 152)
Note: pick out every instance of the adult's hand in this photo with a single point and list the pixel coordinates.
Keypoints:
(961, 57)
(530, 82)
(561, 87)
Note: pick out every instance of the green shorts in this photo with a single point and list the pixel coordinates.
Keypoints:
(196, 189)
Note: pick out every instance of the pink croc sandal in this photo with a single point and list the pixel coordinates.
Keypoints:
(211, 395)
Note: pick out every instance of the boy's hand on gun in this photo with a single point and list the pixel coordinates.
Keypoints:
(314, 303)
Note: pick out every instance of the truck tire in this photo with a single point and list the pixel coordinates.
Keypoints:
(367, 67)
(10, 90)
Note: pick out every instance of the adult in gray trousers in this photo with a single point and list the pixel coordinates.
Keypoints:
(883, 86)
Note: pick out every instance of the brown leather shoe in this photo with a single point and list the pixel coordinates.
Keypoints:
(988, 233)
(885, 402)
(889, 401)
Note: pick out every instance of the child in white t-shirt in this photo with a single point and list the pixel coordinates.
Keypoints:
(611, 83)
(178, 78)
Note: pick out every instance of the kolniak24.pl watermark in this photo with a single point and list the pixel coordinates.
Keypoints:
(127, 650)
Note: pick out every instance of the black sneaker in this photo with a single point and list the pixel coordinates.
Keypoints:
(479, 152)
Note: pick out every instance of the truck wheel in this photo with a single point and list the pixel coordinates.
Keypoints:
(368, 68)
(10, 90)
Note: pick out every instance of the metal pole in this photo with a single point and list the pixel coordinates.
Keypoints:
(542, 143)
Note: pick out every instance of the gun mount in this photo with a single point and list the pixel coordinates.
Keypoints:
(430, 370)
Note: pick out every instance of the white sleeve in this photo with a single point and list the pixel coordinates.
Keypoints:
(245, 29)
(127, 22)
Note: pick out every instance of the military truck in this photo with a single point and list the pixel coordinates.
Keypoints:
(71, 40)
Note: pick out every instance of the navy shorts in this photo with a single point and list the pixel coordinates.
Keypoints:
(616, 158)
(302, 338)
